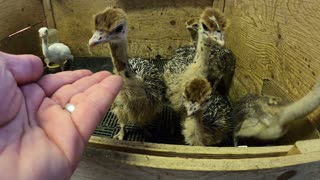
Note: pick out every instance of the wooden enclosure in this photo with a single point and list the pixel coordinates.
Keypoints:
(24, 16)
(277, 46)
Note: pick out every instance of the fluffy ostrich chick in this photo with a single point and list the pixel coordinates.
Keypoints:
(222, 60)
(57, 53)
(210, 33)
(208, 115)
(191, 90)
(140, 99)
(268, 118)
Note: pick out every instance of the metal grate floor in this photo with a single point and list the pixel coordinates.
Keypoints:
(165, 128)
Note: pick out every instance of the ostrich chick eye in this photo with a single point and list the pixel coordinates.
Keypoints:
(119, 29)
(195, 26)
(205, 27)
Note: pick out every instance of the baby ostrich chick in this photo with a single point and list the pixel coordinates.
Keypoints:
(267, 117)
(208, 115)
(191, 90)
(209, 59)
(141, 96)
(57, 52)
(211, 24)
(222, 59)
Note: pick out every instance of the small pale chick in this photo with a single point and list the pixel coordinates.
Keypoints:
(208, 115)
(57, 53)
(141, 97)
(268, 118)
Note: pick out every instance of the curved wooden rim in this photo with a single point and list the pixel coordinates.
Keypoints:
(182, 157)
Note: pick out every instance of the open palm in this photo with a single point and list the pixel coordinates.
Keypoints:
(38, 138)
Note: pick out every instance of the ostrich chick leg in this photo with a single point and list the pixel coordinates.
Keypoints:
(61, 67)
(121, 132)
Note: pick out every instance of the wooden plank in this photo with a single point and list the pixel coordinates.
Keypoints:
(47, 7)
(243, 83)
(220, 4)
(26, 42)
(188, 151)
(101, 164)
(274, 40)
(155, 27)
(19, 14)
(305, 147)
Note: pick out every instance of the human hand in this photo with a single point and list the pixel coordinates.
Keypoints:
(39, 139)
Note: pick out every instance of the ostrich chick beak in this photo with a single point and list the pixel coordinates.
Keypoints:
(218, 36)
(189, 112)
(98, 37)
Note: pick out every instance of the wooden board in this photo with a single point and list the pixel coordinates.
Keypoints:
(26, 42)
(19, 14)
(185, 151)
(155, 27)
(276, 42)
(220, 4)
(302, 161)
(47, 7)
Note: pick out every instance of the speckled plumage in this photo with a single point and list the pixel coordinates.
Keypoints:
(268, 117)
(142, 94)
(182, 58)
(151, 76)
(221, 67)
(211, 126)
(251, 109)
(218, 113)
(141, 97)
(222, 61)
(208, 61)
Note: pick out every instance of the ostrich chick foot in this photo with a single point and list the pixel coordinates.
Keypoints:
(121, 133)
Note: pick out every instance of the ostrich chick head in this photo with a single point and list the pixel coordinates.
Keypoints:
(110, 26)
(212, 25)
(43, 32)
(192, 27)
(196, 95)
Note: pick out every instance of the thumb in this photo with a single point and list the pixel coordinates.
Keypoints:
(10, 96)
(24, 68)
(14, 70)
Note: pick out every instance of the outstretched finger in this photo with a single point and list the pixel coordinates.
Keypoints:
(63, 95)
(52, 82)
(93, 103)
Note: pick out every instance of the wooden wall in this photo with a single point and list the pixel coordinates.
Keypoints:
(276, 44)
(275, 41)
(17, 15)
(155, 27)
